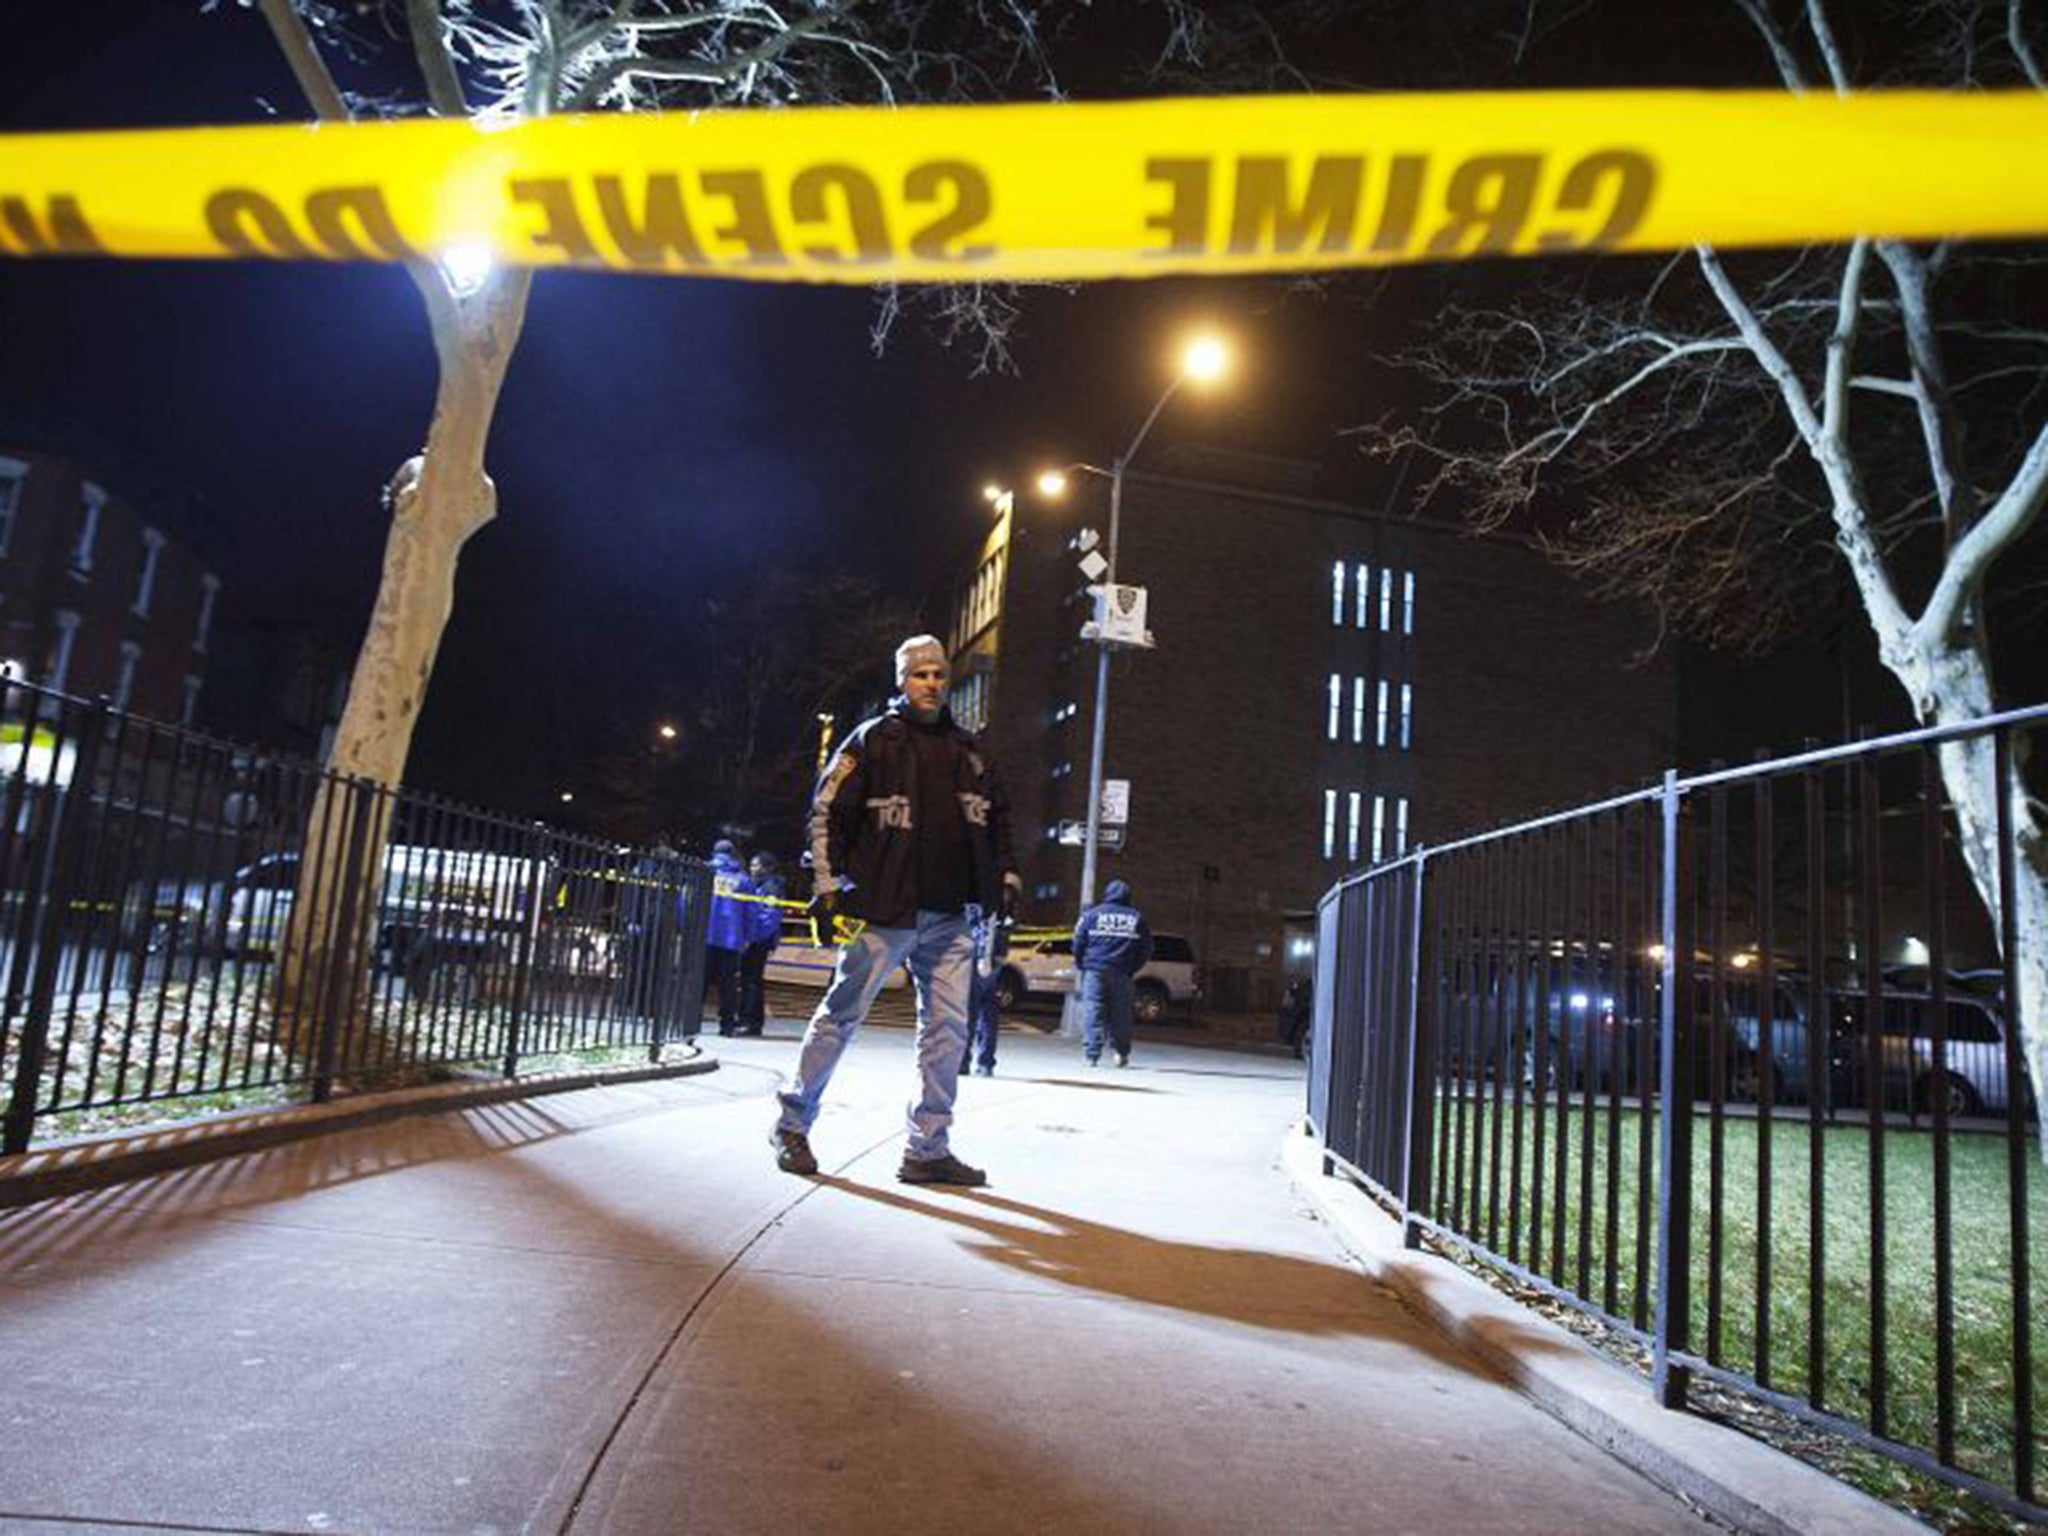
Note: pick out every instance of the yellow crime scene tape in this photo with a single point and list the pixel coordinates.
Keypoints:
(1053, 190)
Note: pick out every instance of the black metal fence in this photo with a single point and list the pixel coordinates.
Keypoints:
(173, 924)
(1735, 1064)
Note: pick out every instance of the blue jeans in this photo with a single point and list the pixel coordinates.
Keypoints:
(940, 952)
(984, 1023)
(1105, 1010)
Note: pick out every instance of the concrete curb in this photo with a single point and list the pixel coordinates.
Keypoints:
(1736, 1480)
(66, 1169)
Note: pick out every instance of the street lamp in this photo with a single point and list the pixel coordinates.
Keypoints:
(1203, 360)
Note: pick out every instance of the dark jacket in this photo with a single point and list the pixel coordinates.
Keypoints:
(764, 918)
(862, 843)
(1112, 935)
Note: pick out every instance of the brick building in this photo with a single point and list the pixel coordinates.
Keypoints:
(1331, 684)
(101, 588)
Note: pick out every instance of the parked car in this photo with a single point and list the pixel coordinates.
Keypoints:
(442, 913)
(1046, 969)
(1970, 1080)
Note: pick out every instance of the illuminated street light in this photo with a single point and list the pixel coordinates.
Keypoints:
(1053, 483)
(1205, 359)
(666, 732)
(567, 796)
(992, 492)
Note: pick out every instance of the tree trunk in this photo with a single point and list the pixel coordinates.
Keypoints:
(1949, 685)
(437, 501)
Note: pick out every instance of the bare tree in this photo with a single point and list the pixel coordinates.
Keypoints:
(1727, 430)
(506, 59)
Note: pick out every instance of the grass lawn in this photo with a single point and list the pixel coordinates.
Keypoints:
(1764, 1329)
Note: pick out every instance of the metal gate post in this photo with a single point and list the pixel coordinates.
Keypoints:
(1421, 1076)
(1669, 1380)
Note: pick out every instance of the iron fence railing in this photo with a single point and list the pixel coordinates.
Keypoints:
(174, 923)
(1737, 1064)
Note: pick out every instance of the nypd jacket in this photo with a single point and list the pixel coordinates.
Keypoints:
(1112, 935)
(730, 919)
(863, 845)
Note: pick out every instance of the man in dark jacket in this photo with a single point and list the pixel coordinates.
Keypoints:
(726, 934)
(910, 832)
(1111, 945)
(764, 931)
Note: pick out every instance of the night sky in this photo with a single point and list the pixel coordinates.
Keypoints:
(660, 439)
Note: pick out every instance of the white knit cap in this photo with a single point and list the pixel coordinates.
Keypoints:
(918, 651)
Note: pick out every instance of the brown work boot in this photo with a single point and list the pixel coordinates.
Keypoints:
(939, 1170)
(792, 1151)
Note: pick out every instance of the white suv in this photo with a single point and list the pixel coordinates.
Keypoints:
(1046, 969)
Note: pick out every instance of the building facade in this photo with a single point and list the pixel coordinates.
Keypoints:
(1331, 685)
(101, 590)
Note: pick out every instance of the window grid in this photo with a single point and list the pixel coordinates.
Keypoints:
(1362, 574)
(1407, 714)
(1401, 826)
(1379, 828)
(1407, 602)
(1329, 823)
(1386, 600)
(1351, 841)
(1380, 717)
(1336, 703)
(1358, 710)
(1337, 595)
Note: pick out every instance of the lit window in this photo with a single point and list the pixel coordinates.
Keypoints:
(1386, 600)
(1351, 836)
(1407, 602)
(1407, 714)
(1379, 828)
(145, 584)
(1358, 710)
(1329, 823)
(1337, 594)
(1401, 825)
(13, 474)
(124, 680)
(1380, 717)
(1336, 702)
(91, 499)
(1362, 577)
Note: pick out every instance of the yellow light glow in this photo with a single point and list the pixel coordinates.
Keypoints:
(1657, 952)
(991, 492)
(567, 796)
(668, 732)
(1052, 483)
(1205, 360)
(1742, 962)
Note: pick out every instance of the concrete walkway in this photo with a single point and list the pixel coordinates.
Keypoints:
(607, 1311)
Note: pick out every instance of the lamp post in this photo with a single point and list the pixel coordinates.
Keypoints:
(1203, 361)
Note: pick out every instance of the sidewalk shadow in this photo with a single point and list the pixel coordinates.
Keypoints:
(1247, 1286)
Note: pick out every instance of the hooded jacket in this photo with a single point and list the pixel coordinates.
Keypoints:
(863, 842)
(730, 919)
(1113, 935)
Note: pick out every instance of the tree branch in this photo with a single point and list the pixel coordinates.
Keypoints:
(1971, 558)
(303, 56)
(430, 47)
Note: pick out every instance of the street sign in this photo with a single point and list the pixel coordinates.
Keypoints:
(1119, 617)
(1074, 834)
(1116, 802)
(1093, 565)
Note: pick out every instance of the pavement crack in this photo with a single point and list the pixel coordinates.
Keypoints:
(690, 1313)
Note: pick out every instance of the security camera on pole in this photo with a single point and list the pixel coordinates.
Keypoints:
(1119, 621)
